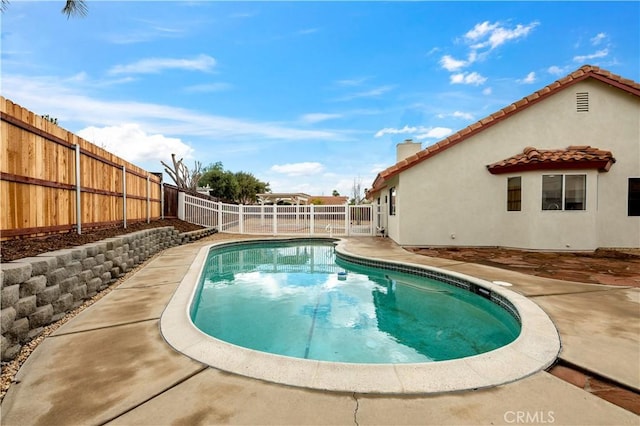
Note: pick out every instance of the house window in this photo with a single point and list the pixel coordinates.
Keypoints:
(634, 197)
(392, 201)
(514, 194)
(564, 192)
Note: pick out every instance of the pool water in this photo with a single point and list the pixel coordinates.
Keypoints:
(294, 299)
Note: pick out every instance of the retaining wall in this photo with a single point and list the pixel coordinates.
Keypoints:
(37, 291)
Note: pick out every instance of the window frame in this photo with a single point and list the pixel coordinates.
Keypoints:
(633, 204)
(562, 204)
(514, 204)
(393, 193)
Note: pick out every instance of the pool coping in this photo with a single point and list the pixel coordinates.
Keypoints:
(534, 350)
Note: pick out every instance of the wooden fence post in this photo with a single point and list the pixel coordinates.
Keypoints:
(148, 201)
(124, 196)
(161, 200)
(78, 194)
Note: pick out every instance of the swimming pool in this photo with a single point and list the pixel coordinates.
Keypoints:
(535, 347)
(298, 299)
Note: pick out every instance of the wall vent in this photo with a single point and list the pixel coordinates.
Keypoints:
(582, 102)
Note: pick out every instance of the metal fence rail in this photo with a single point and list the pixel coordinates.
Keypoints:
(335, 220)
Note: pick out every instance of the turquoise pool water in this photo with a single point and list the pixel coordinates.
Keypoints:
(293, 299)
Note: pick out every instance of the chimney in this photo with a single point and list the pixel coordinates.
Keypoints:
(406, 149)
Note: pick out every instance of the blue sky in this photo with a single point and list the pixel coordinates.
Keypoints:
(308, 96)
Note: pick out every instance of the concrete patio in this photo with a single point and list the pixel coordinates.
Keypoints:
(110, 364)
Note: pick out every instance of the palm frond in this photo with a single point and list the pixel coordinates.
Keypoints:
(75, 8)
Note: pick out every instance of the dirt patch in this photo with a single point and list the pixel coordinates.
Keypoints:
(27, 247)
(608, 267)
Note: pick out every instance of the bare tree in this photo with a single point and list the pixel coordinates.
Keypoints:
(356, 191)
(181, 175)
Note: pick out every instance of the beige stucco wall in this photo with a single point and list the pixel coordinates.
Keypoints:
(451, 199)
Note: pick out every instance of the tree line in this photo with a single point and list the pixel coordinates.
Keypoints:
(238, 187)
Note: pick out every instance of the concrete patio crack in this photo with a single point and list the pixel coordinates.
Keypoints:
(157, 394)
(355, 412)
(68, 333)
(580, 292)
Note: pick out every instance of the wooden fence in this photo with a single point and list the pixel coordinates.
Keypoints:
(52, 181)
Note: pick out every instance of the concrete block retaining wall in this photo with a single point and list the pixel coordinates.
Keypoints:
(37, 291)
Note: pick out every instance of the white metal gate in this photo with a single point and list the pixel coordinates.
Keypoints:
(334, 220)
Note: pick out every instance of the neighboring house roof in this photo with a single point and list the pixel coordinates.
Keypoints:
(574, 157)
(300, 198)
(584, 72)
(292, 197)
(329, 200)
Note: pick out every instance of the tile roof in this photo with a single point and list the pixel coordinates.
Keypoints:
(329, 200)
(574, 157)
(584, 72)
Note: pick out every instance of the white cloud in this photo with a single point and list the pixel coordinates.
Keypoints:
(485, 37)
(480, 30)
(530, 78)
(308, 31)
(598, 38)
(141, 35)
(130, 142)
(451, 64)
(202, 63)
(457, 114)
(433, 50)
(463, 115)
(420, 132)
(377, 168)
(71, 105)
(318, 117)
(298, 169)
(394, 131)
(467, 78)
(208, 88)
(352, 82)
(495, 35)
(372, 93)
(487, 91)
(435, 133)
(556, 70)
(599, 54)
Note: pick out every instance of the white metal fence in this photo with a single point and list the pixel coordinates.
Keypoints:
(337, 220)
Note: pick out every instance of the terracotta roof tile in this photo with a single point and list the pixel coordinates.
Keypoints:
(574, 157)
(586, 71)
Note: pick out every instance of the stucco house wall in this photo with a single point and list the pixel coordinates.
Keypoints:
(451, 199)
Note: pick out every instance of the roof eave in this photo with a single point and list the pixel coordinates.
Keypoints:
(601, 165)
(577, 76)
